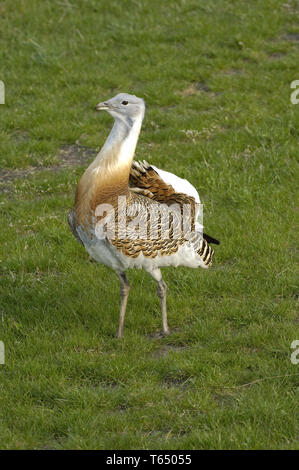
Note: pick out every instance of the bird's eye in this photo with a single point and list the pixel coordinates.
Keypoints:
(124, 102)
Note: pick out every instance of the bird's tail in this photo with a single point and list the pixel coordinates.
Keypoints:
(211, 239)
(205, 252)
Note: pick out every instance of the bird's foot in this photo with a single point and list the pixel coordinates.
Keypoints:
(120, 334)
(160, 334)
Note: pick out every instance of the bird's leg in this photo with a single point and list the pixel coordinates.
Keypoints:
(124, 294)
(161, 291)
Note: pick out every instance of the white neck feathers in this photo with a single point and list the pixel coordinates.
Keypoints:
(119, 148)
(108, 174)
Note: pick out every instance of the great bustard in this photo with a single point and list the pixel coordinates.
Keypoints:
(120, 207)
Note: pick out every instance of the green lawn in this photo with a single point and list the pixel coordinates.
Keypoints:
(223, 379)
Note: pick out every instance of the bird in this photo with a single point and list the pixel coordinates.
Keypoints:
(130, 214)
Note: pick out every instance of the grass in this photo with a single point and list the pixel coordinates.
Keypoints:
(216, 79)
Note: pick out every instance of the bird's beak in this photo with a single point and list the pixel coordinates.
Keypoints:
(102, 106)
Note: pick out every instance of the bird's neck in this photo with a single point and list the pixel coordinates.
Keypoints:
(119, 148)
(108, 175)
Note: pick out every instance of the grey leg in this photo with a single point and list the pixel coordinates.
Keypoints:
(124, 294)
(161, 291)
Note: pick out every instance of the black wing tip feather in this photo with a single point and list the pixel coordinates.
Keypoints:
(211, 239)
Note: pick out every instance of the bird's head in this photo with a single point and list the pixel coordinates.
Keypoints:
(128, 108)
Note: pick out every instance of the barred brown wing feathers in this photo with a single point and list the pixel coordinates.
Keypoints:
(152, 242)
(157, 245)
(145, 180)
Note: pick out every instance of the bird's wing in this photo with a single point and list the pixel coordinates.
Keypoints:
(167, 188)
(72, 224)
(147, 231)
(161, 185)
(156, 236)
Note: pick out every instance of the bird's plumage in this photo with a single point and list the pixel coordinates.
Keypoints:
(144, 240)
